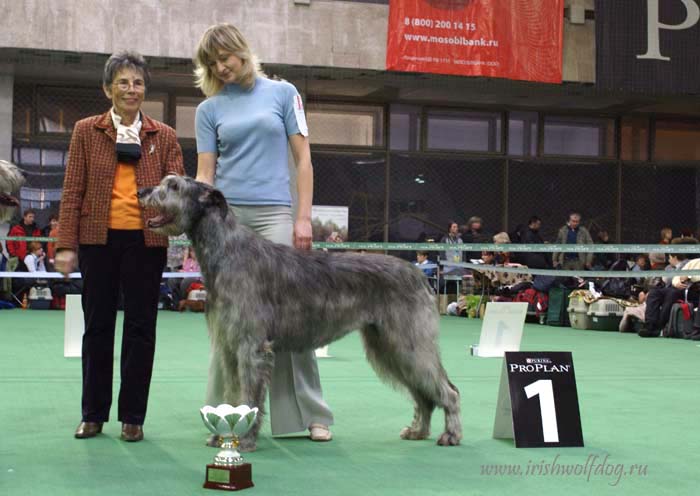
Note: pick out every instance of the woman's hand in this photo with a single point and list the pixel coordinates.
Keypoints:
(302, 234)
(65, 262)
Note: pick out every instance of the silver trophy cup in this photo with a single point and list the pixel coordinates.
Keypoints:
(229, 471)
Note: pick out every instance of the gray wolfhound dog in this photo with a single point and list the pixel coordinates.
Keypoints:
(264, 297)
(11, 179)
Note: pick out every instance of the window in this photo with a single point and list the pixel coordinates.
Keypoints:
(351, 125)
(677, 140)
(154, 107)
(22, 110)
(522, 133)
(185, 110)
(58, 109)
(464, 131)
(579, 136)
(39, 198)
(41, 157)
(634, 138)
(404, 127)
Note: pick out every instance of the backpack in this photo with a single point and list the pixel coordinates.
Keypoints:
(680, 323)
(536, 300)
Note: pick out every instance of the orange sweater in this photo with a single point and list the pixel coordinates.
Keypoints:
(125, 212)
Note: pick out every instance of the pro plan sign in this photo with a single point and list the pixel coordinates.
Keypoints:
(540, 406)
(648, 46)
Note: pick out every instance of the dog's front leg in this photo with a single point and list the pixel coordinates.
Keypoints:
(255, 365)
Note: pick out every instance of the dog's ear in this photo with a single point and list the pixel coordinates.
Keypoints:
(213, 198)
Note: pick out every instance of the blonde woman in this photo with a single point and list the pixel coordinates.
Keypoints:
(243, 130)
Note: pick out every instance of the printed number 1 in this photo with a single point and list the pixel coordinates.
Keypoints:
(543, 389)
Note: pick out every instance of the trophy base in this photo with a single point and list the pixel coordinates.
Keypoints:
(232, 478)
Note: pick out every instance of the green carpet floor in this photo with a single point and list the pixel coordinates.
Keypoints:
(639, 406)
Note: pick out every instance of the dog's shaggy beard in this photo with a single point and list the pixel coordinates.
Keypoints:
(11, 180)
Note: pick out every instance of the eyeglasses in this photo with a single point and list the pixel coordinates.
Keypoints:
(125, 84)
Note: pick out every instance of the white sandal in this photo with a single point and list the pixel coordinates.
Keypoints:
(320, 433)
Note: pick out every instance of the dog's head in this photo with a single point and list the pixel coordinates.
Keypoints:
(11, 180)
(180, 203)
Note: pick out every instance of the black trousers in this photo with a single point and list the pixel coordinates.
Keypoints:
(124, 262)
(659, 303)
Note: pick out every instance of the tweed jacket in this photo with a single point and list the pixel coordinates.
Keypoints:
(92, 165)
(583, 237)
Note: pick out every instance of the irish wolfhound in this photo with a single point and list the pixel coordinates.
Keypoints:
(11, 179)
(264, 297)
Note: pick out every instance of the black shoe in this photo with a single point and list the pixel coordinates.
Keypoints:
(647, 331)
(88, 429)
(132, 432)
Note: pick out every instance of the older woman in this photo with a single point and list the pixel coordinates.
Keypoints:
(111, 156)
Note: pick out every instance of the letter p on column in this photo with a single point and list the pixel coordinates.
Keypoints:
(654, 26)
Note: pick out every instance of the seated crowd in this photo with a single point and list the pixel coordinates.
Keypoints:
(37, 258)
(648, 301)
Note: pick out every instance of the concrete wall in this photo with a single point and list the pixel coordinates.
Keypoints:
(323, 33)
(6, 93)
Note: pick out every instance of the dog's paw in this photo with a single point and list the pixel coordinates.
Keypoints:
(448, 439)
(411, 434)
(247, 445)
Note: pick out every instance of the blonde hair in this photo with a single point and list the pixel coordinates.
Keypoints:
(223, 37)
(501, 238)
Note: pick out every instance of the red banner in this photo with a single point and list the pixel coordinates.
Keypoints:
(513, 39)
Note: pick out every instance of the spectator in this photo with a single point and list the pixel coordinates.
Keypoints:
(422, 259)
(666, 236)
(507, 281)
(573, 233)
(473, 233)
(34, 261)
(502, 257)
(657, 261)
(452, 238)
(531, 235)
(660, 299)
(641, 263)
(488, 257)
(603, 261)
(26, 228)
(517, 234)
(178, 286)
(482, 278)
(51, 245)
(632, 313)
(46, 231)
(430, 272)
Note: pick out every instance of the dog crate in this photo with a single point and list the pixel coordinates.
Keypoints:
(578, 313)
(197, 295)
(605, 315)
(40, 298)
